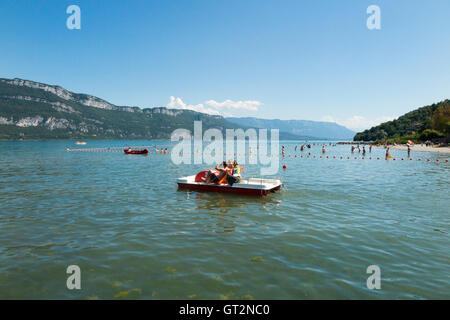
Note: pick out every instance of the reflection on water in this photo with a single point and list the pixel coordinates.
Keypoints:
(134, 235)
(223, 206)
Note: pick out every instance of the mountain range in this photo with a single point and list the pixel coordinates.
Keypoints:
(31, 110)
(304, 128)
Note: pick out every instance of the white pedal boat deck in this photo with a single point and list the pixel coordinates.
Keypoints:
(252, 186)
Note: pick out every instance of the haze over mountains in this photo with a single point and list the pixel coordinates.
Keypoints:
(304, 128)
(35, 111)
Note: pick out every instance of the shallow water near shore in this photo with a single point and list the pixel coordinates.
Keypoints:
(121, 219)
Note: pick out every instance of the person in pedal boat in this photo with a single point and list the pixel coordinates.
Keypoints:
(236, 169)
(235, 175)
(211, 177)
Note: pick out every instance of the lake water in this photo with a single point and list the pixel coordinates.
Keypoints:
(122, 220)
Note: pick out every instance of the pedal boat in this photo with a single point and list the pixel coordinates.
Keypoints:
(143, 151)
(252, 186)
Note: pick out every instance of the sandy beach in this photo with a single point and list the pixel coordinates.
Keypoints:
(421, 148)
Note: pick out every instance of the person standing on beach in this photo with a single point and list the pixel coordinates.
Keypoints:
(370, 149)
(409, 151)
(364, 151)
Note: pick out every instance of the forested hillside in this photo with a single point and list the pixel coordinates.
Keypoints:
(427, 123)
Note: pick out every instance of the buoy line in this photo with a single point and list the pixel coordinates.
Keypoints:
(300, 156)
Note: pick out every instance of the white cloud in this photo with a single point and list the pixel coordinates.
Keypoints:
(327, 119)
(357, 123)
(214, 107)
(177, 103)
(230, 104)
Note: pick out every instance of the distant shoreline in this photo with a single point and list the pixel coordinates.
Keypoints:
(85, 140)
(420, 148)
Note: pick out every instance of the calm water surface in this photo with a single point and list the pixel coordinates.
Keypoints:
(135, 236)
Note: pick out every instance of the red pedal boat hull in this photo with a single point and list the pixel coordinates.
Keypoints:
(226, 189)
(144, 151)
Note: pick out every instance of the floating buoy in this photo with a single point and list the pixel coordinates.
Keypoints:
(284, 166)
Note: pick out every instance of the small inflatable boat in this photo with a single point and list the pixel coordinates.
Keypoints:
(252, 186)
(130, 151)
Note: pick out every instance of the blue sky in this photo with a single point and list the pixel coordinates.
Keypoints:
(312, 60)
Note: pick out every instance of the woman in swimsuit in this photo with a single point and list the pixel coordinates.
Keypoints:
(211, 177)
